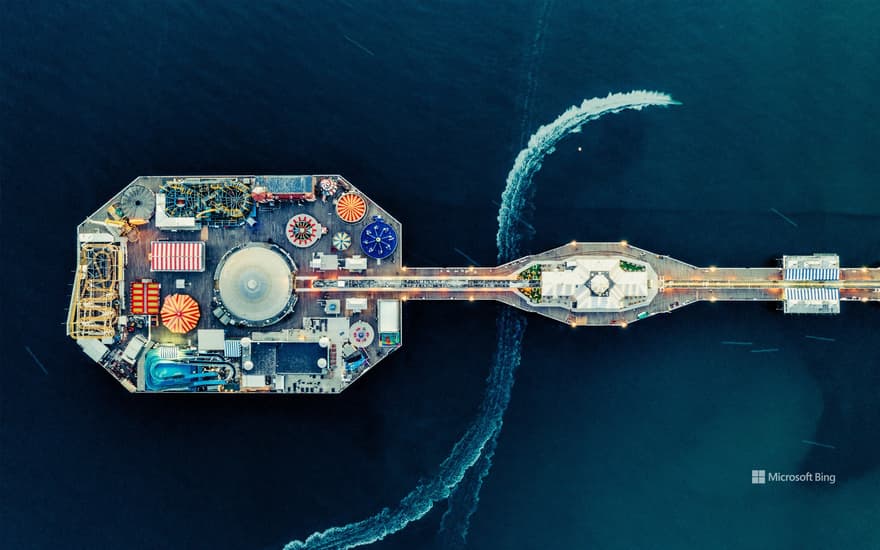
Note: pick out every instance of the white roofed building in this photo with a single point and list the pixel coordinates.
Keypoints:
(604, 283)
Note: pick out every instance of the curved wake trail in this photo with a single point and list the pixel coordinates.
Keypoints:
(462, 503)
(456, 521)
(536, 51)
(543, 142)
(484, 429)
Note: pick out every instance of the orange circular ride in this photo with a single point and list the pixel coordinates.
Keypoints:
(351, 208)
(180, 313)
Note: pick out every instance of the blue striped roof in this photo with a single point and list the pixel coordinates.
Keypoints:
(813, 294)
(812, 274)
(232, 348)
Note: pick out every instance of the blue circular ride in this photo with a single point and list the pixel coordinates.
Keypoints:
(378, 239)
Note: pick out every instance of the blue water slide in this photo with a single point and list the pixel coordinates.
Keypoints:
(169, 374)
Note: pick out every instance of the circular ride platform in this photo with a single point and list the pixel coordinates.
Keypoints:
(328, 186)
(361, 334)
(378, 239)
(304, 230)
(351, 208)
(254, 284)
(180, 313)
(341, 241)
(137, 202)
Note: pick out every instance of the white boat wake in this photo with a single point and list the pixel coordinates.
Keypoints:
(478, 443)
(543, 142)
(465, 498)
(463, 501)
(533, 60)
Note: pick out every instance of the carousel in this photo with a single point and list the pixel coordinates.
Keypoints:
(304, 230)
(378, 239)
(351, 208)
(254, 284)
(341, 241)
(180, 313)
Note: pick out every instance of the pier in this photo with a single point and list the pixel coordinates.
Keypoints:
(679, 284)
(296, 284)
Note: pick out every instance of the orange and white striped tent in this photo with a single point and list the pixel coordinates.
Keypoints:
(180, 313)
(351, 208)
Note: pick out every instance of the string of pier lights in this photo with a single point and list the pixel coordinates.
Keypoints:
(470, 269)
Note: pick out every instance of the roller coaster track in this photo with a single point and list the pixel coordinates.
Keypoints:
(93, 312)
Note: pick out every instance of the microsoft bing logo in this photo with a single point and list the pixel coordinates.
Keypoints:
(762, 477)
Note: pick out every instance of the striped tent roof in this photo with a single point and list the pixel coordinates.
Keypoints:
(813, 294)
(812, 274)
(180, 313)
(351, 208)
(177, 256)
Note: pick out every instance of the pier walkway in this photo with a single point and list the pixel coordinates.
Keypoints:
(679, 284)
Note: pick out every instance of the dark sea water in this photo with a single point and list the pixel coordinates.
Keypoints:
(636, 438)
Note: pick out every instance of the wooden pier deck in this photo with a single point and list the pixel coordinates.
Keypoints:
(681, 284)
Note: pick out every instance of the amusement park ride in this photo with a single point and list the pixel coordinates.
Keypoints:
(254, 297)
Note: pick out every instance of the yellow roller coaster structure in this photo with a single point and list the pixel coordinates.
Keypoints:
(217, 199)
(94, 307)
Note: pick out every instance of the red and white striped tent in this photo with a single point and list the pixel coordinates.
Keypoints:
(180, 313)
(177, 256)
